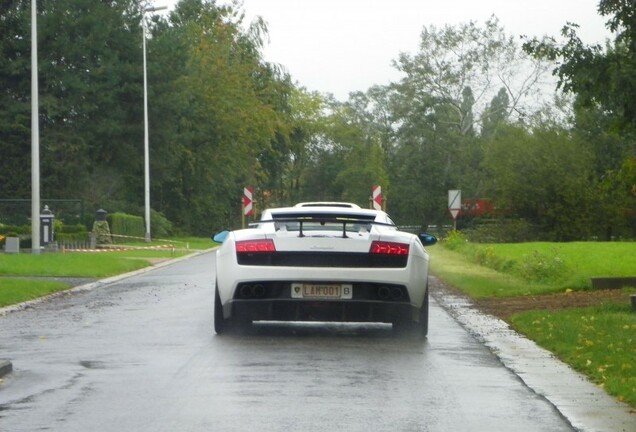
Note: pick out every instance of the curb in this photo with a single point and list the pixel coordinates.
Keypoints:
(5, 367)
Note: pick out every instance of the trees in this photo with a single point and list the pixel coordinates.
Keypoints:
(461, 117)
(496, 114)
(603, 81)
(218, 112)
(338, 154)
(87, 57)
(15, 117)
(598, 76)
(90, 80)
(617, 201)
(227, 119)
(306, 123)
(463, 67)
(460, 84)
(543, 175)
(363, 162)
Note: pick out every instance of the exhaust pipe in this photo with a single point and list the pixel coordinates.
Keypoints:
(258, 291)
(246, 291)
(384, 293)
(396, 293)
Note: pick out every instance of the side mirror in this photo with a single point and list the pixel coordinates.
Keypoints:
(427, 239)
(221, 236)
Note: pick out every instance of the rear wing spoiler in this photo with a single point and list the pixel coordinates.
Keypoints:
(425, 238)
(301, 220)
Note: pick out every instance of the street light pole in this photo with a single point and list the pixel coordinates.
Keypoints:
(35, 136)
(146, 139)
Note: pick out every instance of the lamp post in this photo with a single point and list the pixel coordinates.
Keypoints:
(146, 143)
(35, 137)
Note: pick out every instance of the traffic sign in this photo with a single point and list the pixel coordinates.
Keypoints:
(377, 197)
(454, 203)
(248, 203)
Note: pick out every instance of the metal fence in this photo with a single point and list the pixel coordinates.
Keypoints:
(18, 211)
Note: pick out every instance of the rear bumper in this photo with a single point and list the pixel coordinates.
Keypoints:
(230, 278)
(320, 310)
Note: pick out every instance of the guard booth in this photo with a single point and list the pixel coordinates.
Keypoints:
(46, 226)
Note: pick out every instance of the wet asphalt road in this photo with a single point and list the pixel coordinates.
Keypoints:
(141, 355)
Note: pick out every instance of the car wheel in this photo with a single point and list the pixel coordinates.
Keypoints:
(412, 328)
(423, 324)
(220, 323)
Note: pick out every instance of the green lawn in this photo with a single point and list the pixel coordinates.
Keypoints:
(553, 266)
(14, 291)
(570, 264)
(95, 265)
(479, 281)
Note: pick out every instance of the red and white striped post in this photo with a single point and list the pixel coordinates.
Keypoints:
(376, 197)
(248, 203)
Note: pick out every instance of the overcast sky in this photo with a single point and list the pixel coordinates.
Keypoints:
(339, 46)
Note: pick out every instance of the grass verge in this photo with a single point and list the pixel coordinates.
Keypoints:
(93, 265)
(14, 291)
(479, 281)
(599, 342)
(557, 265)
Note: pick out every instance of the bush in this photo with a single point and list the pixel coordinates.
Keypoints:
(455, 240)
(71, 229)
(15, 230)
(101, 230)
(160, 225)
(502, 231)
(542, 267)
(21, 231)
(487, 257)
(129, 226)
(70, 233)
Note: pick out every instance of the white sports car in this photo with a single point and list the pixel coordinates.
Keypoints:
(322, 262)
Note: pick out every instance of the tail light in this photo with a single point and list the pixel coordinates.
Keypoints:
(255, 246)
(389, 248)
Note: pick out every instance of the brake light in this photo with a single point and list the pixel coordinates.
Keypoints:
(252, 246)
(389, 248)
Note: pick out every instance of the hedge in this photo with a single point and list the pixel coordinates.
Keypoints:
(122, 224)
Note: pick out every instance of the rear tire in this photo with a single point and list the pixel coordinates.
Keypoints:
(220, 323)
(423, 324)
(417, 329)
